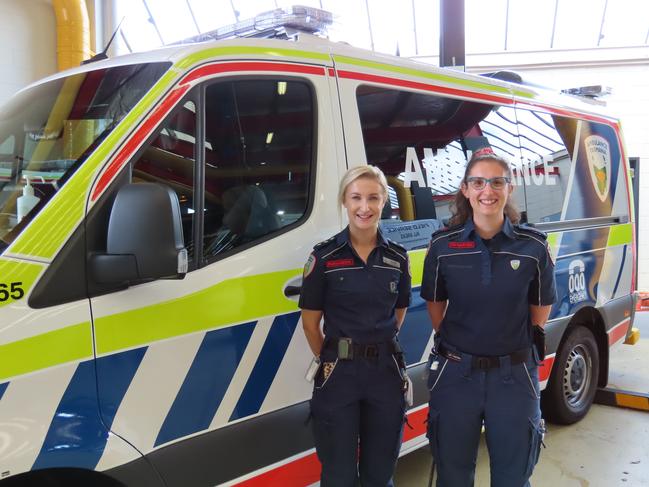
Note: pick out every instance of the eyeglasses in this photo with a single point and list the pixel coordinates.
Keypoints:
(496, 183)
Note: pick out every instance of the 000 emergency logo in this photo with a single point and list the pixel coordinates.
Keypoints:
(577, 281)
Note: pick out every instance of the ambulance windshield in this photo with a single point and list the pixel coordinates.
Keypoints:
(49, 130)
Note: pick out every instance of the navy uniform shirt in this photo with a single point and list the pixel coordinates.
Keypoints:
(358, 300)
(489, 286)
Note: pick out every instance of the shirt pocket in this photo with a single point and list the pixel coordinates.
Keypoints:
(386, 281)
(345, 281)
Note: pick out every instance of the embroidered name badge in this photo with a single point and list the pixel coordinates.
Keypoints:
(332, 264)
(391, 262)
(461, 245)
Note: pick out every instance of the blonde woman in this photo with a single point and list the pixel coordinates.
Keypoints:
(360, 283)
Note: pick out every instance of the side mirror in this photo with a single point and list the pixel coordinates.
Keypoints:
(145, 237)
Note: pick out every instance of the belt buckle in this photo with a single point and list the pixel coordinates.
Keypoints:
(371, 351)
(482, 362)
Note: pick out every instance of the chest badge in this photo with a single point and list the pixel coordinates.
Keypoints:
(333, 264)
(515, 264)
(391, 262)
(461, 245)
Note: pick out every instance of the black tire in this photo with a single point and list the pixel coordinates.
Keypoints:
(573, 381)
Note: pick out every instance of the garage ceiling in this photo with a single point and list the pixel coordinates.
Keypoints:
(410, 27)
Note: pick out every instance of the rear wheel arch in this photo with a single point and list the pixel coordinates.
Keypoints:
(584, 341)
(592, 319)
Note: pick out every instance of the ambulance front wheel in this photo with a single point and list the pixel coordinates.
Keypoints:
(573, 381)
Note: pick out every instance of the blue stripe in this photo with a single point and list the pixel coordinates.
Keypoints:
(206, 382)
(77, 435)
(416, 329)
(266, 367)
(3, 388)
(115, 373)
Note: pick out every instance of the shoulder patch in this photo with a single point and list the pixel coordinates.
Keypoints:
(549, 251)
(309, 266)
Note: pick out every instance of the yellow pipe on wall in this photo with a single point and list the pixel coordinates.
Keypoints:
(72, 32)
(406, 208)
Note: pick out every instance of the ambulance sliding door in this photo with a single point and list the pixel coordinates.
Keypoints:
(223, 346)
(575, 187)
(422, 141)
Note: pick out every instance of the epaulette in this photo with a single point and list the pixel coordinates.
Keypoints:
(324, 243)
(397, 246)
(447, 229)
(532, 231)
(443, 230)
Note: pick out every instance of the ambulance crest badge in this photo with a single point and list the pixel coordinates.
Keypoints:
(515, 264)
(598, 153)
(309, 266)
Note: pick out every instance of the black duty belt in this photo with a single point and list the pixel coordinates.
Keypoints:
(478, 362)
(349, 350)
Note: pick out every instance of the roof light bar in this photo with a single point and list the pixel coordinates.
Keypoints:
(283, 23)
(593, 91)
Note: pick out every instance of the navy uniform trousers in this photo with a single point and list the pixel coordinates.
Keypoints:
(505, 398)
(357, 417)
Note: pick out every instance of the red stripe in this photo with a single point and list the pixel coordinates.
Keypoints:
(138, 137)
(417, 421)
(306, 470)
(423, 86)
(545, 368)
(470, 94)
(618, 332)
(531, 105)
(217, 68)
(301, 472)
(167, 104)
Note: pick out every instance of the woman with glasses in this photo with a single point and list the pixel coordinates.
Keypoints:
(489, 287)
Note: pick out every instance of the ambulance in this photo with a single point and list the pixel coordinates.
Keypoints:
(156, 210)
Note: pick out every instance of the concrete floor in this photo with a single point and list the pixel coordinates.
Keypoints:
(609, 447)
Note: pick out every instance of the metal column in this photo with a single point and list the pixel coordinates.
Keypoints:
(451, 34)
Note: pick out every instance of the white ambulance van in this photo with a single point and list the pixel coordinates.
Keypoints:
(155, 213)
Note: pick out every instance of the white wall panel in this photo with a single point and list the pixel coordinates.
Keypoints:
(27, 43)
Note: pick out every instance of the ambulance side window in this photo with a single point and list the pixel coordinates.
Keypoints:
(7, 146)
(169, 159)
(258, 159)
(422, 143)
(569, 168)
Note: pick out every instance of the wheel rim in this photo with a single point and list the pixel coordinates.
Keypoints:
(577, 375)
